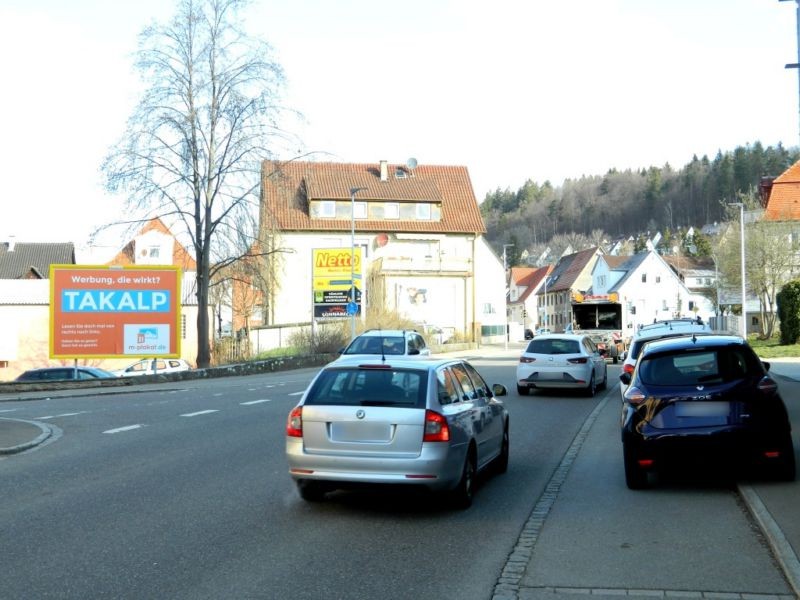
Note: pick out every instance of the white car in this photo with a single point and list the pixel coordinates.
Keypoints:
(154, 366)
(656, 331)
(562, 361)
(387, 343)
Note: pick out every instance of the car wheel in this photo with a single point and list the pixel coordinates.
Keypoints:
(635, 477)
(501, 462)
(604, 384)
(591, 388)
(784, 469)
(310, 491)
(615, 360)
(462, 495)
(522, 390)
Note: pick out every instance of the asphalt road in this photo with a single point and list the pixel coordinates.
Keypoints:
(183, 493)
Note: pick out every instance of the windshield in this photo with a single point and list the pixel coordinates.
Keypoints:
(707, 365)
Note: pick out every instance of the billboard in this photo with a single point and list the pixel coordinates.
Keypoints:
(114, 312)
(331, 276)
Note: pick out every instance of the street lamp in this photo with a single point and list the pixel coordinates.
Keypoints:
(354, 307)
(505, 276)
(744, 297)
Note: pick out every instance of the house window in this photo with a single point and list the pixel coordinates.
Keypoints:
(658, 278)
(359, 210)
(699, 281)
(644, 277)
(153, 252)
(488, 309)
(664, 305)
(392, 210)
(327, 209)
(424, 211)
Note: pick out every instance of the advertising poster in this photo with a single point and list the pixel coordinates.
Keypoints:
(331, 275)
(113, 312)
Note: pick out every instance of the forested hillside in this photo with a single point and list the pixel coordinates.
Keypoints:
(627, 203)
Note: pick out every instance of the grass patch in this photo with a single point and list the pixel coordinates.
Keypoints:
(772, 348)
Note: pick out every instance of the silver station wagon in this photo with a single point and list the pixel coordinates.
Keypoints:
(407, 421)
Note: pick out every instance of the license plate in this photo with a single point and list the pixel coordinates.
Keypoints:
(361, 432)
(701, 408)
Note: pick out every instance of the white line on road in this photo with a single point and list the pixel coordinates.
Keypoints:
(8, 410)
(61, 415)
(255, 402)
(297, 393)
(200, 412)
(121, 429)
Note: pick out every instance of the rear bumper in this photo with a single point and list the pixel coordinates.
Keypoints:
(437, 467)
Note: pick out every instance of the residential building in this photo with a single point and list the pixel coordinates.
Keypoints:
(571, 274)
(418, 232)
(523, 310)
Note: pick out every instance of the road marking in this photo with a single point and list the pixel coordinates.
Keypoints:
(121, 429)
(217, 394)
(200, 412)
(297, 393)
(255, 402)
(61, 415)
(8, 410)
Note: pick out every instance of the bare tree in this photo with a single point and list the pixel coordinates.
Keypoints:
(193, 146)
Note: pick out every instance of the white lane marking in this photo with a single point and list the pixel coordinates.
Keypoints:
(61, 415)
(8, 410)
(120, 429)
(199, 412)
(252, 389)
(217, 394)
(297, 393)
(255, 402)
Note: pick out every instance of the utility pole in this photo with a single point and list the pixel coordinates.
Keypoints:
(505, 276)
(796, 65)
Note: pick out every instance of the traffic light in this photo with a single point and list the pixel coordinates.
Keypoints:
(524, 312)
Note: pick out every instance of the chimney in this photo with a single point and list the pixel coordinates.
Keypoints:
(384, 170)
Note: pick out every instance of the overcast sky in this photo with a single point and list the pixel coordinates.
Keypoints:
(512, 89)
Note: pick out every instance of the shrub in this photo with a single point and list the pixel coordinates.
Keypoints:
(788, 300)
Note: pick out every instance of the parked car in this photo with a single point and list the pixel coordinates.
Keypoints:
(655, 331)
(154, 366)
(429, 423)
(562, 361)
(703, 397)
(65, 374)
(387, 342)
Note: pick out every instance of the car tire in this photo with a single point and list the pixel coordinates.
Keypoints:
(636, 478)
(785, 469)
(501, 462)
(522, 390)
(604, 384)
(464, 491)
(311, 491)
(591, 388)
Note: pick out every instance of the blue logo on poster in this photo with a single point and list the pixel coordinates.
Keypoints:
(352, 308)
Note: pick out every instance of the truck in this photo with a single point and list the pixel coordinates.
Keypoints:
(601, 318)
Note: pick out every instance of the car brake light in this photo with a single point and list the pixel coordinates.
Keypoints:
(578, 361)
(294, 424)
(767, 385)
(628, 368)
(634, 395)
(526, 359)
(436, 428)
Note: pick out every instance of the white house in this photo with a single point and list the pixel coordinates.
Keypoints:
(419, 235)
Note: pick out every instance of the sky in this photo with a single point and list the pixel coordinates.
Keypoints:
(515, 90)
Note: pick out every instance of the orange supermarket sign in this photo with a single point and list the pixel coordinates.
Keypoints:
(111, 312)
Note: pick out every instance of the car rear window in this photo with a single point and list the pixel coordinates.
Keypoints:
(554, 346)
(357, 386)
(702, 367)
(388, 345)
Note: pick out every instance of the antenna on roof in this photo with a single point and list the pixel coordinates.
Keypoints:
(411, 163)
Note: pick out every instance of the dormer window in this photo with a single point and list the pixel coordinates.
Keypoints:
(327, 208)
(359, 210)
(424, 211)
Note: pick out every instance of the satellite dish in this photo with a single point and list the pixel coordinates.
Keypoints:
(411, 163)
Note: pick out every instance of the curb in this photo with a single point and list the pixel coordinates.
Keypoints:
(44, 435)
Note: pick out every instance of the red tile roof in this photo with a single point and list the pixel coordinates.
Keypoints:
(784, 198)
(180, 256)
(287, 188)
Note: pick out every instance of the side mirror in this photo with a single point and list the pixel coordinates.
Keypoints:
(625, 378)
(498, 389)
(766, 365)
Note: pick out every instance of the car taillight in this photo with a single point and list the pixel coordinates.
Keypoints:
(526, 359)
(294, 424)
(627, 368)
(436, 428)
(578, 361)
(767, 385)
(634, 395)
